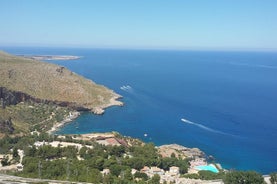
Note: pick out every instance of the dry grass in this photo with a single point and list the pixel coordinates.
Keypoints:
(52, 82)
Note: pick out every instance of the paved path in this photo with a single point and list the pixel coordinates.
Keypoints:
(8, 179)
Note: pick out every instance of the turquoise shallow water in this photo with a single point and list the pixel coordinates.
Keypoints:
(207, 168)
(228, 100)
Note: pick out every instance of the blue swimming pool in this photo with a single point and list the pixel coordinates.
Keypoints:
(210, 167)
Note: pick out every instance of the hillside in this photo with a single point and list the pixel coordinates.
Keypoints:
(28, 79)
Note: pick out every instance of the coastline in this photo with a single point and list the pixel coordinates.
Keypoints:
(75, 114)
(72, 115)
(51, 57)
(112, 102)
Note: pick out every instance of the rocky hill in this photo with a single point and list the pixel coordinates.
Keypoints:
(25, 79)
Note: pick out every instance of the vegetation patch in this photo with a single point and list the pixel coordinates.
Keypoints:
(25, 117)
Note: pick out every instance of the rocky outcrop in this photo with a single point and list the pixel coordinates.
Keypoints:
(6, 126)
(12, 97)
(9, 97)
(178, 150)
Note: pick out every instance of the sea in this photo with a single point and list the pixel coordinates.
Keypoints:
(223, 102)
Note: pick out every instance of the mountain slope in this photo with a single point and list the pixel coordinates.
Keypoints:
(43, 81)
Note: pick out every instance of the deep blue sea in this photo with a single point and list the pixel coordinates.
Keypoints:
(228, 98)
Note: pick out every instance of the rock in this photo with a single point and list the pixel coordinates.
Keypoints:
(60, 70)
(2, 104)
(10, 97)
(98, 111)
(6, 126)
(178, 150)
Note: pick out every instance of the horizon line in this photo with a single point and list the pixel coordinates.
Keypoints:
(146, 48)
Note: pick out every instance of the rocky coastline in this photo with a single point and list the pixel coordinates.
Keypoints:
(72, 115)
(99, 110)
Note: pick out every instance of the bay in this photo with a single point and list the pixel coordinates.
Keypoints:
(227, 99)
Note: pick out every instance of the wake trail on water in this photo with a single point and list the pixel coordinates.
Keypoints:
(127, 88)
(255, 65)
(204, 127)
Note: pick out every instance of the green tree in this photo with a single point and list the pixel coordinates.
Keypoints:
(127, 174)
(70, 152)
(95, 176)
(117, 150)
(30, 151)
(243, 177)
(30, 166)
(135, 162)
(116, 169)
(173, 155)
(15, 153)
(5, 161)
(83, 152)
(192, 176)
(107, 179)
(109, 162)
(208, 175)
(99, 163)
(273, 178)
(155, 179)
(141, 175)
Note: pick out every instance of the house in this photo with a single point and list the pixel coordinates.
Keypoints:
(145, 169)
(109, 141)
(156, 170)
(174, 170)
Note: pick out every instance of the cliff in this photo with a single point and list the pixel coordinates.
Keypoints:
(25, 79)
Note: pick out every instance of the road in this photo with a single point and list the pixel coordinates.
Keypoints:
(8, 179)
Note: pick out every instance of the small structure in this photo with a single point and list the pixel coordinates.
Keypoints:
(145, 169)
(133, 171)
(109, 141)
(156, 170)
(19, 167)
(105, 172)
(35, 133)
(152, 171)
(174, 171)
(39, 144)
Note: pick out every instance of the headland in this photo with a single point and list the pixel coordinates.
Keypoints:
(50, 57)
(37, 95)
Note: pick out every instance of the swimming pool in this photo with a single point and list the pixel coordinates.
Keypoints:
(210, 167)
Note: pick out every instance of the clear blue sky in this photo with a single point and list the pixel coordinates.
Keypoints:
(183, 24)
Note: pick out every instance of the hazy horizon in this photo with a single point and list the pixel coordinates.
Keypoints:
(174, 25)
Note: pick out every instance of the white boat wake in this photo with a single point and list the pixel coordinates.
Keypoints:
(126, 88)
(254, 65)
(204, 127)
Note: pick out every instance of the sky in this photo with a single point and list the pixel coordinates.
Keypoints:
(174, 24)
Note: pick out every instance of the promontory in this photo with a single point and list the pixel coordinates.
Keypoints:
(24, 79)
